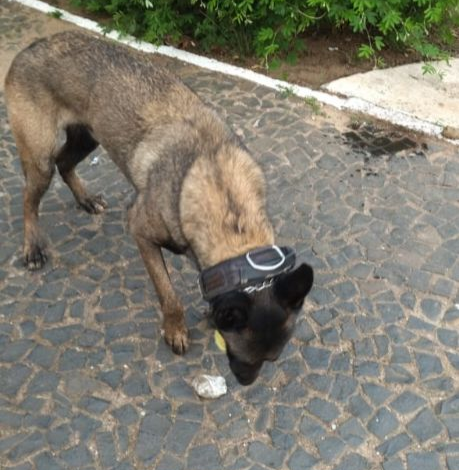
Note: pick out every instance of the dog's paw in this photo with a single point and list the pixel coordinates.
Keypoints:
(93, 204)
(177, 339)
(35, 257)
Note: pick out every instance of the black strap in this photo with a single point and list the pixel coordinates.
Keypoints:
(251, 269)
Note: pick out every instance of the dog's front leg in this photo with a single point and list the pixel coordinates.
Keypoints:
(175, 331)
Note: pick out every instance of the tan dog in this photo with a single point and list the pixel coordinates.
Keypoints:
(198, 191)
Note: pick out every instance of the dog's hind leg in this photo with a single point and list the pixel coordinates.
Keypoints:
(36, 140)
(79, 145)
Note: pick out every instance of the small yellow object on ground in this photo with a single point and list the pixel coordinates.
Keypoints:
(219, 341)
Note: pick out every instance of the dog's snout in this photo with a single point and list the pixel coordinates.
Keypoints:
(245, 373)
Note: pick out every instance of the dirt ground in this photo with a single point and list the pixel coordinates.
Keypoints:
(327, 56)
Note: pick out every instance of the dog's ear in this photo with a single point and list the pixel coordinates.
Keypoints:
(231, 311)
(291, 288)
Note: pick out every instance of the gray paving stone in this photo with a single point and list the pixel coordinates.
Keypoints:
(32, 404)
(45, 461)
(14, 351)
(93, 405)
(401, 355)
(415, 323)
(340, 362)
(376, 393)
(61, 334)
(316, 358)
(329, 336)
(170, 463)
(13, 378)
(136, 385)
(431, 308)
(72, 359)
(393, 445)
(9, 419)
(319, 382)
(352, 432)
(425, 426)
(77, 456)
(453, 360)
(398, 334)
(153, 428)
(118, 331)
(442, 384)
(301, 460)
(407, 402)
(324, 410)
(181, 434)
(89, 338)
(396, 374)
(126, 414)
(261, 453)
(11, 441)
(204, 457)
(390, 313)
(423, 461)
(343, 387)
(452, 463)
(312, 429)
(450, 405)
(55, 312)
(359, 408)
(44, 381)
(42, 356)
(330, 448)
(448, 337)
(24, 466)
(106, 449)
(281, 441)
(123, 353)
(285, 417)
(367, 369)
(395, 464)
(122, 438)
(428, 365)
(383, 423)
(59, 436)
(28, 327)
(85, 426)
(112, 377)
(452, 425)
(364, 348)
(31, 444)
(353, 462)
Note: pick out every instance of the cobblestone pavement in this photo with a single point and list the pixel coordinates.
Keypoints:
(370, 380)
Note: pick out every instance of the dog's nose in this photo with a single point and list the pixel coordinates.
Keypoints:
(247, 376)
(246, 380)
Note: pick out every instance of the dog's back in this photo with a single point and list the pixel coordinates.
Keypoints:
(113, 90)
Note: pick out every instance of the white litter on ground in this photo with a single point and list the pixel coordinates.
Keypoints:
(209, 386)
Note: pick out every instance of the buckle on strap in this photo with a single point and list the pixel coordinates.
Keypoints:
(265, 267)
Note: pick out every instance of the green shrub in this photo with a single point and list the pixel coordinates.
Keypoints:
(272, 28)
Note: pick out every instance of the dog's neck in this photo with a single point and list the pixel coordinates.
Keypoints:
(222, 207)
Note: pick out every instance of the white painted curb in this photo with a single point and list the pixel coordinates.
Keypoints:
(398, 118)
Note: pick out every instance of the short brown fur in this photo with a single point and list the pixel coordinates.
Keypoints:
(198, 191)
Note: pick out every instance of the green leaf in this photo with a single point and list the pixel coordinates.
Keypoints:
(365, 52)
(265, 34)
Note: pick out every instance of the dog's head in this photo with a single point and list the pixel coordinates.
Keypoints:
(257, 326)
